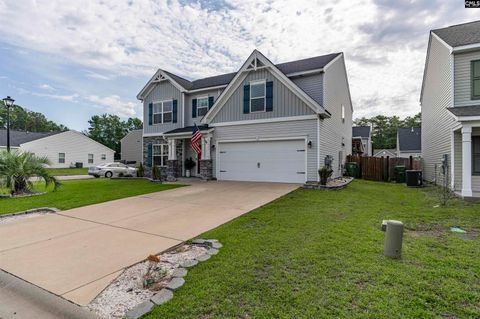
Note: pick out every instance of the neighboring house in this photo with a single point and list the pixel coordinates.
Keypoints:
(131, 146)
(362, 140)
(266, 122)
(62, 148)
(385, 152)
(450, 102)
(409, 142)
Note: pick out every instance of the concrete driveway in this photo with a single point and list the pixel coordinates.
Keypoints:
(78, 252)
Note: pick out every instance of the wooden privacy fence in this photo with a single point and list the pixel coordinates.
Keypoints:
(382, 168)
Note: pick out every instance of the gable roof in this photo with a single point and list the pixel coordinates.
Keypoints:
(461, 34)
(384, 152)
(287, 68)
(409, 139)
(361, 131)
(20, 137)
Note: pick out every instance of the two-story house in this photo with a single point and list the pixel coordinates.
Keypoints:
(266, 122)
(450, 101)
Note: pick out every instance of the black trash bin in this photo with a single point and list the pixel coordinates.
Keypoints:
(78, 165)
(414, 178)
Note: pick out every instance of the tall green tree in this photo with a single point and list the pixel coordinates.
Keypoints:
(24, 120)
(109, 129)
(384, 131)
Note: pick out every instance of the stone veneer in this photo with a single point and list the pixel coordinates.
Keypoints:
(206, 169)
(170, 168)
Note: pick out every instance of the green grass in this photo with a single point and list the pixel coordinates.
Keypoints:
(67, 171)
(314, 254)
(78, 193)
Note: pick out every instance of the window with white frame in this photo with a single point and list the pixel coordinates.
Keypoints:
(104, 157)
(160, 154)
(202, 106)
(257, 96)
(90, 158)
(162, 112)
(343, 113)
(61, 158)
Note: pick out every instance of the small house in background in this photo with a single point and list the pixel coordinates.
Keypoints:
(63, 149)
(409, 142)
(385, 152)
(131, 147)
(362, 140)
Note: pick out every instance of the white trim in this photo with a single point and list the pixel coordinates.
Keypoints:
(309, 72)
(152, 134)
(264, 97)
(318, 148)
(261, 139)
(325, 68)
(198, 98)
(268, 120)
(467, 161)
(235, 83)
(187, 134)
(443, 42)
(159, 74)
(162, 112)
(161, 154)
(467, 118)
(207, 88)
(466, 47)
(452, 160)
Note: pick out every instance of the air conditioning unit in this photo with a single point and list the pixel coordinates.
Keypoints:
(414, 178)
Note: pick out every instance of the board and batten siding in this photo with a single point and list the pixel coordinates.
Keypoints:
(305, 129)
(75, 145)
(437, 121)
(189, 121)
(312, 85)
(463, 73)
(333, 131)
(162, 91)
(131, 146)
(285, 102)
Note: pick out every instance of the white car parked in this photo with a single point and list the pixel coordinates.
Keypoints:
(112, 169)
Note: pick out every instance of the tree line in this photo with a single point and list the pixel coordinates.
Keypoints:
(384, 128)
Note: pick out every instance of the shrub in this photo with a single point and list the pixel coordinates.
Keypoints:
(155, 172)
(140, 170)
(189, 163)
(325, 174)
(17, 168)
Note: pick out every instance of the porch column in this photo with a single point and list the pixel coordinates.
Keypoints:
(206, 147)
(172, 149)
(467, 161)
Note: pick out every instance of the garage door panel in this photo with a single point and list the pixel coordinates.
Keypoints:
(272, 161)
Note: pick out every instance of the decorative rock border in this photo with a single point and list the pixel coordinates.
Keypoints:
(32, 211)
(22, 195)
(177, 280)
(315, 185)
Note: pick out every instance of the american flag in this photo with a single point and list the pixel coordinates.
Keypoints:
(195, 140)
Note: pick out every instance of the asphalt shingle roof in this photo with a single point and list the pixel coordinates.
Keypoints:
(473, 110)
(20, 137)
(362, 131)
(187, 129)
(314, 63)
(410, 139)
(461, 34)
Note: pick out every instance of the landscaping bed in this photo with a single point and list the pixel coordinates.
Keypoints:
(333, 184)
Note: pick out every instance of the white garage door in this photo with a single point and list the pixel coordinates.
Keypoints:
(263, 161)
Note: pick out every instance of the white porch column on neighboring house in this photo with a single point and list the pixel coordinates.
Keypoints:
(206, 140)
(467, 160)
(172, 145)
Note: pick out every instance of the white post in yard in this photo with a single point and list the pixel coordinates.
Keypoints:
(466, 161)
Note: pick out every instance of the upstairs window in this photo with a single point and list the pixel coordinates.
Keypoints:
(475, 66)
(202, 106)
(257, 96)
(61, 158)
(160, 154)
(162, 112)
(476, 155)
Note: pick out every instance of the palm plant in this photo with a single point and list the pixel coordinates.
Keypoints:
(17, 168)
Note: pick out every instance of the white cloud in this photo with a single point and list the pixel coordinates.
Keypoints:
(67, 98)
(384, 41)
(113, 104)
(97, 76)
(46, 87)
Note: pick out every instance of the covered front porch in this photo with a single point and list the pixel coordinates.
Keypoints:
(180, 149)
(466, 152)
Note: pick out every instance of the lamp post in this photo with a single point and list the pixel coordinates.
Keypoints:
(8, 101)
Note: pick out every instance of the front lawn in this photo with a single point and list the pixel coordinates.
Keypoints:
(67, 171)
(314, 254)
(78, 193)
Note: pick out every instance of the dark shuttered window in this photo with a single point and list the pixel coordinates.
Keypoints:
(475, 80)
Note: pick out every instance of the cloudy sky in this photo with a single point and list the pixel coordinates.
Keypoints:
(73, 59)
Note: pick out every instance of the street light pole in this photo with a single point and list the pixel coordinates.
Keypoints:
(8, 101)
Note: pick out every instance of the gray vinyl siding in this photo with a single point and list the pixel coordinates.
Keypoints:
(437, 122)
(332, 130)
(312, 85)
(131, 146)
(285, 102)
(162, 91)
(463, 78)
(305, 128)
(189, 121)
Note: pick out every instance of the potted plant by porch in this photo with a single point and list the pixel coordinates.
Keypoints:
(325, 173)
(189, 165)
